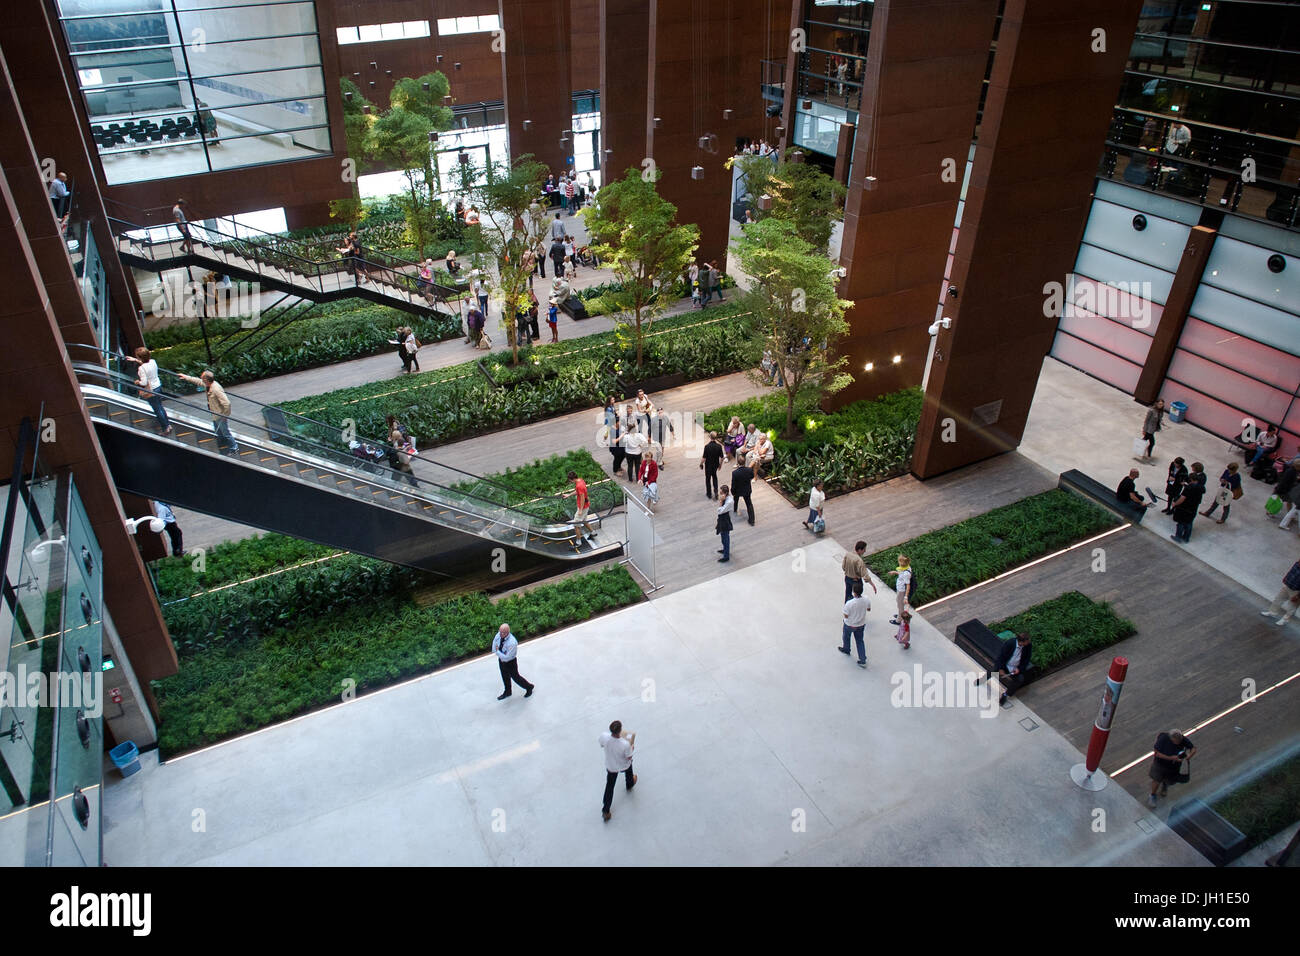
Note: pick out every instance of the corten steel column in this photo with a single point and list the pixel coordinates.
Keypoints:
(704, 59)
(624, 75)
(1049, 104)
(535, 76)
(919, 101)
(36, 379)
(798, 12)
(1200, 241)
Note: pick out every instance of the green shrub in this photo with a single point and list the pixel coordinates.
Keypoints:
(862, 443)
(1266, 805)
(982, 547)
(539, 483)
(232, 561)
(306, 343)
(238, 686)
(1067, 628)
(454, 402)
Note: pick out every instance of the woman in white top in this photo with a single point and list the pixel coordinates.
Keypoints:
(735, 436)
(151, 387)
(816, 503)
(762, 454)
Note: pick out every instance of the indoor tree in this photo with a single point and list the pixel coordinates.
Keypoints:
(636, 235)
(356, 129)
(800, 193)
(512, 224)
(797, 312)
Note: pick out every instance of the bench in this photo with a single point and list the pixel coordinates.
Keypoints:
(573, 307)
(1077, 481)
(1214, 837)
(983, 646)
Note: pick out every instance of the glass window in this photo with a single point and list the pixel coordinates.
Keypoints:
(348, 35)
(189, 86)
(371, 32)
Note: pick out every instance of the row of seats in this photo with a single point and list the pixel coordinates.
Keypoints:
(144, 131)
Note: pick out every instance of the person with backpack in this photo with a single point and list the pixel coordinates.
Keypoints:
(904, 586)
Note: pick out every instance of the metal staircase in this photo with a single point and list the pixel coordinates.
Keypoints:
(304, 478)
(283, 265)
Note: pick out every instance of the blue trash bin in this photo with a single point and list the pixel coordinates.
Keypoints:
(126, 757)
(1177, 411)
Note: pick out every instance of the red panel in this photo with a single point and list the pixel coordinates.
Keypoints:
(1087, 358)
(1093, 296)
(1263, 402)
(1222, 419)
(1236, 351)
(1109, 335)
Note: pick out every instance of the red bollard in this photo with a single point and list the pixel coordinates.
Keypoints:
(1085, 774)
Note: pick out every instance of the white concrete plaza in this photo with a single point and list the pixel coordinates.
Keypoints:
(757, 744)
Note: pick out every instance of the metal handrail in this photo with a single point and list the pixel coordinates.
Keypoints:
(256, 418)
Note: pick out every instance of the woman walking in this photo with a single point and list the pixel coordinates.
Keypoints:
(151, 386)
(1229, 491)
(412, 346)
(1151, 425)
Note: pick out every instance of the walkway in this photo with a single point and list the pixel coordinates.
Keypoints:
(757, 744)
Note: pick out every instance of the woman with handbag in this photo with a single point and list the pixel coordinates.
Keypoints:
(151, 387)
(735, 436)
(1229, 491)
(1151, 425)
(1174, 484)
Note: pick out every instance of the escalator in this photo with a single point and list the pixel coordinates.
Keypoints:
(283, 265)
(304, 478)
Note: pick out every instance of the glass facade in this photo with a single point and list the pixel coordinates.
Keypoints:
(829, 73)
(51, 679)
(1210, 107)
(179, 87)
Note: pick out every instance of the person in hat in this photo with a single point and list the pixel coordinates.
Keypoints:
(553, 318)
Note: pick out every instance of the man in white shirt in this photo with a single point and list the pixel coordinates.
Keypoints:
(902, 585)
(618, 759)
(634, 444)
(506, 648)
(855, 622)
(644, 409)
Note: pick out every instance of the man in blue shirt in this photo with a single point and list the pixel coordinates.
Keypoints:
(506, 648)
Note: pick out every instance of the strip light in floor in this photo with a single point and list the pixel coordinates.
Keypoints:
(1004, 574)
(1205, 723)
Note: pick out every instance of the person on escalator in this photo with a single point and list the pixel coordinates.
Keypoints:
(403, 452)
(150, 384)
(219, 406)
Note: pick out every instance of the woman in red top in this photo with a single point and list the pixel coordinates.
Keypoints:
(582, 505)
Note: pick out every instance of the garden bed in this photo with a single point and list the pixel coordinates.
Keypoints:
(1265, 806)
(545, 479)
(982, 547)
(241, 683)
(861, 444)
(457, 402)
(1066, 629)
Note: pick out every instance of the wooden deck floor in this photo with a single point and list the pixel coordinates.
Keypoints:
(1199, 637)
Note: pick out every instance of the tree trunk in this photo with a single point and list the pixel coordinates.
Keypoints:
(791, 431)
(638, 338)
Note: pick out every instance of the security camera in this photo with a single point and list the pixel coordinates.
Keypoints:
(841, 272)
(944, 323)
(952, 291)
(156, 525)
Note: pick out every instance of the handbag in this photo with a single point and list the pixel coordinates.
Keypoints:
(1236, 493)
(1181, 777)
(1273, 506)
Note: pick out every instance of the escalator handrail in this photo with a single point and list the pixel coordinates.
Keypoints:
(336, 459)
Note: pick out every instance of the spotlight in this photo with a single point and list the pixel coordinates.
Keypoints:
(389, 72)
(433, 136)
(869, 366)
(438, 58)
(779, 131)
(697, 172)
(898, 359)
(869, 182)
(658, 122)
(425, 87)
(528, 124)
(348, 96)
(727, 114)
(457, 64)
(374, 65)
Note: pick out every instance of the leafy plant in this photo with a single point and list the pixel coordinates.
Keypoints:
(982, 547)
(1266, 805)
(1066, 628)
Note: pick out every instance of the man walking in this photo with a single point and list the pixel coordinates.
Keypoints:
(855, 571)
(170, 526)
(618, 759)
(723, 525)
(219, 406)
(582, 506)
(1185, 508)
(710, 463)
(742, 479)
(1167, 756)
(182, 225)
(855, 622)
(506, 648)
(633, 445)
(557, 228)
(557, 256)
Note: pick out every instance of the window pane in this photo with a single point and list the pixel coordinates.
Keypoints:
(417, 28)
(370, 33)
(390, 31)
(348, 35)
(489, 22)
(447, 28)
(466, 24)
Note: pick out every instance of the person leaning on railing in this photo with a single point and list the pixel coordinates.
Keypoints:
(219, 405)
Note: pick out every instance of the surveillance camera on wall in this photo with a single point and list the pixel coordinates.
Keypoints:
(841, 272)
(952, 291)
(944, 323)
(133, 525)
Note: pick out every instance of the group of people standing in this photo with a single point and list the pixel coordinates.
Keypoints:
(636, 434)
(705, 281)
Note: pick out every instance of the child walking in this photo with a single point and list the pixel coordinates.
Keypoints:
(904, 635)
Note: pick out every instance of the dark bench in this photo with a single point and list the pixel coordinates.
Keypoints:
(983, 646)
(1214, 837)
(1077, 481)
(574, 307)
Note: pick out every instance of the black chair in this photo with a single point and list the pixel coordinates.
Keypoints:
(96, 129)
(190, 131)
(155, 136)
(173, 133)
(183, 121)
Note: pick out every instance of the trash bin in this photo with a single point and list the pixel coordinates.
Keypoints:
(1177, 411)
(126, 757)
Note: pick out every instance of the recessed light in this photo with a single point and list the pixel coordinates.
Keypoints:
(869, 366)
(897, 359)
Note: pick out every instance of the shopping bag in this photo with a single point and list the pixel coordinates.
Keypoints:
(819, 525)
(1274, 505)
(1140, 447)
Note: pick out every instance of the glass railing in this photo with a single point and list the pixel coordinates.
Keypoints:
(317, 444)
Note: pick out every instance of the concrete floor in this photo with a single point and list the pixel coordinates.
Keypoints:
(757, 744)
(1080, 422)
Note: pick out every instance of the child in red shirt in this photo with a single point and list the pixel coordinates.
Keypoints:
(904, 635)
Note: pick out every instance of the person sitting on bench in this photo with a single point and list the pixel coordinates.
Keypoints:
(1012, 666)
(1126, 493)
(1264, 444)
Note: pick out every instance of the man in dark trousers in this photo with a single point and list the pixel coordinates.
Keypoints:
(1126, 493)
(618, 759)
(1012, 665)
(710, 462)
(557, 257)
(506, 648)
(1188, 502)
(742, 480)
